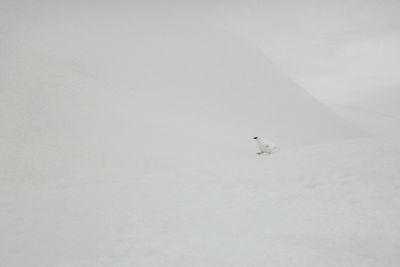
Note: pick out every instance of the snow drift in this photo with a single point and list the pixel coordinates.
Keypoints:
(126, 102)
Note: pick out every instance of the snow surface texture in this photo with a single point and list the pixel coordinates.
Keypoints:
(327, 205)
(163, 99)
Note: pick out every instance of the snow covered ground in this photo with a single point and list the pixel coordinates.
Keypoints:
(127, 141)
(326, 205)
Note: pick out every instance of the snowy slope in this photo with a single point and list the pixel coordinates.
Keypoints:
(376, 110)
(374, 122)
(147, 100)
(326, 205)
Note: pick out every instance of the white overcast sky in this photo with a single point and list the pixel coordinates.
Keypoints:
(330, 48)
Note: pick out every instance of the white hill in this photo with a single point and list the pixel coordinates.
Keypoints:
(375, 110)
(160, 98)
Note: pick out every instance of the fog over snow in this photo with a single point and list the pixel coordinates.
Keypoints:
(330, 48)
(127, 133)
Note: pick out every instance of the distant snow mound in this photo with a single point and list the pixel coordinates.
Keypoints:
(122, 103)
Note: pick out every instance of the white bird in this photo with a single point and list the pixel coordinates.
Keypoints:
(268, 148)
